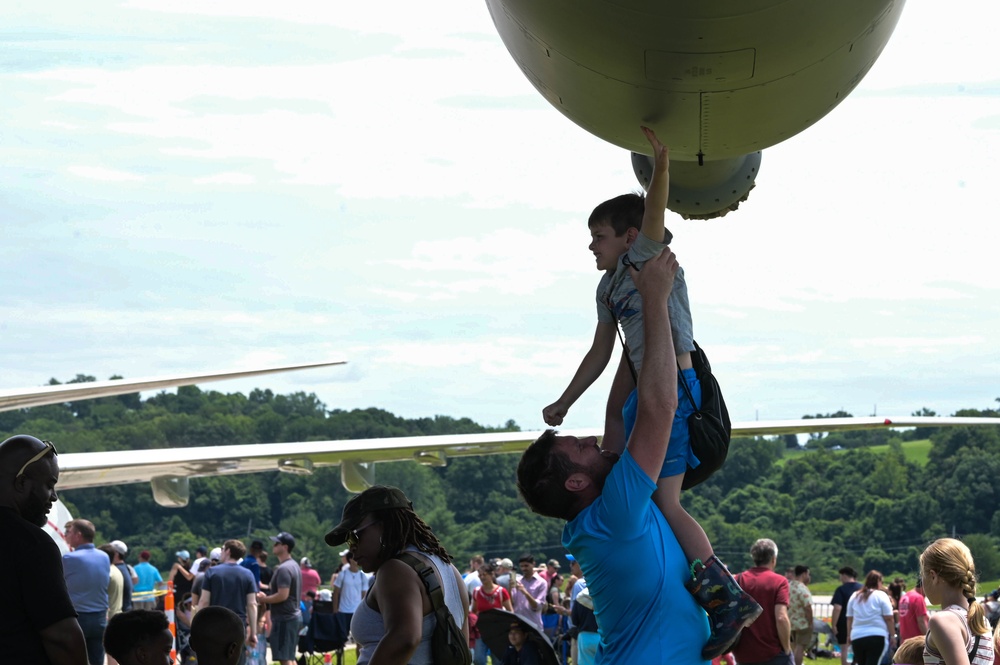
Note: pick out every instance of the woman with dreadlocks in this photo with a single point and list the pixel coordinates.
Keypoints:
(394, 623)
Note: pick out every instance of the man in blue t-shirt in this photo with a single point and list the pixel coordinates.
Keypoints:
(232, 586)
(611, 518)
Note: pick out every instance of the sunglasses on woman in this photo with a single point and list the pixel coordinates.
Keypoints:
(354, 535)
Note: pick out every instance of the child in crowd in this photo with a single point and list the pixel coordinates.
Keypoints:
(217, 636)
(521, 650)
(958, 633)
(910, 652)
(139, 637)
(627, 231)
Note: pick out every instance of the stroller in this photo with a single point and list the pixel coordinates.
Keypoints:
(325, 635)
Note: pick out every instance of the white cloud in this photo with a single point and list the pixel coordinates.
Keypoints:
(228, 178)
(101, 173)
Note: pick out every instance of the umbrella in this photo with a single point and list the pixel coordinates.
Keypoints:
(495, 624)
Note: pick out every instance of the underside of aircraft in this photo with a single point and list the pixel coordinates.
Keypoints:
(718, 81)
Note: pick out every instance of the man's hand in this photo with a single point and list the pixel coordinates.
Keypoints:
(260, 597)
(554, 413)
(656, 279)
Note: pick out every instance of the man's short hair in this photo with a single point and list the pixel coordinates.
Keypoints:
(213, 630)
(237, 550)
(763, 552)
(128, 630)
(526, 558)
(801, 570)
(83, 527)
(847, 570)
(541, 478)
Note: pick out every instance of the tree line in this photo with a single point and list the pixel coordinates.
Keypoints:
(840, 503)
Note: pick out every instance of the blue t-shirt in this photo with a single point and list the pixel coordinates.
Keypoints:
(645, 616)
(229, 584)
(250, 563)
(148, 577)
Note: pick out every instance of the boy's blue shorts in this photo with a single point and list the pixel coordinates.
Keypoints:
(679, 455)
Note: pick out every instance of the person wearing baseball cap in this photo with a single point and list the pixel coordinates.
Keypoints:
(129, 577)
(149, 581)
(285, 590)
(310, 577)
(378, 525)
(182, 578)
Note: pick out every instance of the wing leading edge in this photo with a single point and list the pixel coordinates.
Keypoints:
(22, 398)
(175, 466)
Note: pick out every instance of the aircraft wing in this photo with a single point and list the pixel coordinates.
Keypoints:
(22, 398)
(169, 469)
(815, 425)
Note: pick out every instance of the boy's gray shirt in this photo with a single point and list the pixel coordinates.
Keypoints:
(617, 298)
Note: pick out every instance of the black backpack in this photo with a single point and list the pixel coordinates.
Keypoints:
(709, 426)
(448, 644)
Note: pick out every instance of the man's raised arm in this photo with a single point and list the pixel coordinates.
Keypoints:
(657, 388)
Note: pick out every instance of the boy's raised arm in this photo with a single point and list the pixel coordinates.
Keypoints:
(659, 188)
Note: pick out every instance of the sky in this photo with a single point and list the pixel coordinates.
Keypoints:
(190, 186)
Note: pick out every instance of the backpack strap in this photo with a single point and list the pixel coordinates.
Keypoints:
(975, 647)
(428, 576)
(631, 367)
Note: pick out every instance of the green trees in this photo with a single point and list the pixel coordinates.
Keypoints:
(825, 508)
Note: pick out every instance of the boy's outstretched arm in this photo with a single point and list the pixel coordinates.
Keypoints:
(659, 188)
(614, 422)
(591, 366)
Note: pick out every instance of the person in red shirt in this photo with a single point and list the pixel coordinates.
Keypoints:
(913, 613)
(310, 578)
(489, 596)
(767, 640)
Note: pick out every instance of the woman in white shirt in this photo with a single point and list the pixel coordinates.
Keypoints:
(870, 626)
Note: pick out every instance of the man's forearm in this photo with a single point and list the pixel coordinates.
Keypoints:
(784, 627)
(252, 617)
(657, 391)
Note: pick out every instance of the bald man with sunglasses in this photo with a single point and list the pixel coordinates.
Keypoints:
(38, 624)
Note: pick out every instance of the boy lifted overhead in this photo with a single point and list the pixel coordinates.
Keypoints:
(627, 231)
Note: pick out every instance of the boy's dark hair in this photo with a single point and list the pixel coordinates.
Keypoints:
(799, 569)
(620, 213)
(850, 572)
(213, 629)
(623, 213)
(527, 558)
(127, 630)
(541, 478)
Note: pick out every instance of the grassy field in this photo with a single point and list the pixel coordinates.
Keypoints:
(913, 451)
